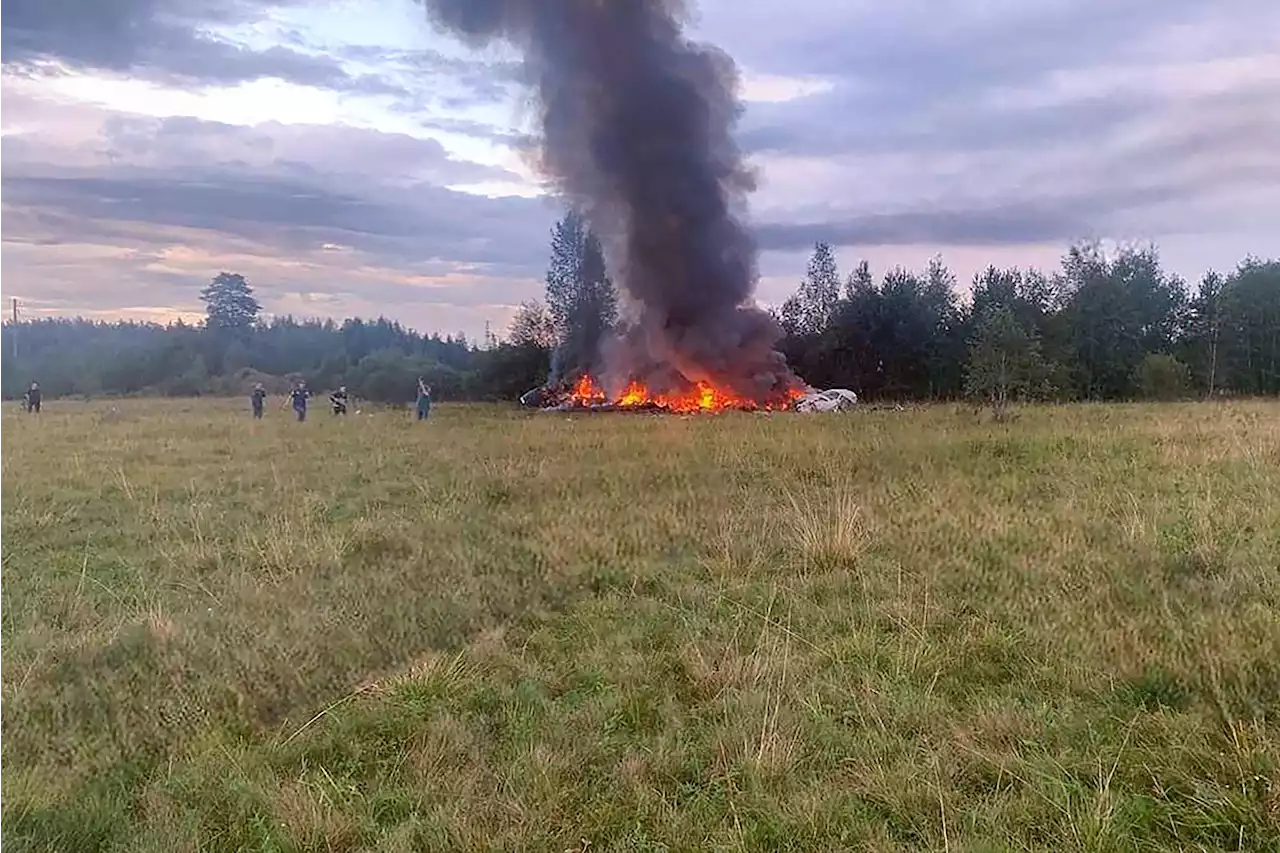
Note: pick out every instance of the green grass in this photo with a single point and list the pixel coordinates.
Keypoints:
(519, 631)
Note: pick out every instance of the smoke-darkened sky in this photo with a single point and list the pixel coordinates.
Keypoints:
(350, 160)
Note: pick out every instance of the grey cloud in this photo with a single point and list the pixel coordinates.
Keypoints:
(1057, 219)
(469, 291)
(958, 99)
(476, 71)
(273, 195)
(166, 40)
(1027, 224)
(80, 251)
(921, 47)
(434, 85)
(480, 130)
(435, 223)
(313, 272)
(1052, 220)
(977, 102)
(796, 128)
(333, 151)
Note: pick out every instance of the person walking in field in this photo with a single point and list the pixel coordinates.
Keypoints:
(338, 399)
(258, 399)
(424, 399)
(299, 397)
(32, 399)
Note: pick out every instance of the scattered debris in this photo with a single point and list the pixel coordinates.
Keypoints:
(535, 398)
(830, 400)
(566, 400)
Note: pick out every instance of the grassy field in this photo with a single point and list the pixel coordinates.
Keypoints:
(516, 631)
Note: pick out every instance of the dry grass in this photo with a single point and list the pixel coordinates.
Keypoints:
(503, 631)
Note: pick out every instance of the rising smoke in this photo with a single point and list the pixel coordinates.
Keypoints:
(636, 125)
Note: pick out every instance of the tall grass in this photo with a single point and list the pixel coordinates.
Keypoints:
(523, 631)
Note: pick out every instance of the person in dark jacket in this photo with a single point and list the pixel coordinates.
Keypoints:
(258, 399)
(338, 399)
(32, 399)
(299, 397)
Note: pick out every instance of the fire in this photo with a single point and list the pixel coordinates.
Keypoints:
(587, 393)
(700, 397)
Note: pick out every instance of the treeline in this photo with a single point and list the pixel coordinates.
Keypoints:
(377, 360)
(1101, 327)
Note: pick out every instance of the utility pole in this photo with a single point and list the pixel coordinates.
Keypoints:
(14, 331)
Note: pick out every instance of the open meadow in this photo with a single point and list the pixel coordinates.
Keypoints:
(514, 631)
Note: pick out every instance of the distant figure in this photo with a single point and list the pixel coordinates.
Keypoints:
(424, 399)
(299, 397)
(258, 399)
(32, 399)
(338, 399)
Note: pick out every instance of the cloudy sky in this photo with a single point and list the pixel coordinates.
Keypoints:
(351, 161)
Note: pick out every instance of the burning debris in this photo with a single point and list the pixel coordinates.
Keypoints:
(586, 394)
(636, 133)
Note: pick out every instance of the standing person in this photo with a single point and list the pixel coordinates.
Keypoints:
(424, 399)
(338, 399)
(258, 399)
(299, 397)
(32, 399)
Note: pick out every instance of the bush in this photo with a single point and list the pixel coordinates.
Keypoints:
(1162, 377)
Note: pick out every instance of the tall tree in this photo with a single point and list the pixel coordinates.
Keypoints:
(1200, 344)
(580, 295)
(229, 302)
(1116, 310)
(846, 354)
(946, 345)
(1251, 328)
(1030, 296)
(819, 291)
(911, 318)
(1004, 359)
(791, 316)
(532, 326)
(860, 281)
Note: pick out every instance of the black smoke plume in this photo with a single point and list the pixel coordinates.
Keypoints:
(636, 132)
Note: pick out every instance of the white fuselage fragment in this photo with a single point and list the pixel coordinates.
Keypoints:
(830, 400)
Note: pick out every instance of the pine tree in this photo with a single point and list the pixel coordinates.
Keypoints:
(580, 296)
(860, 281)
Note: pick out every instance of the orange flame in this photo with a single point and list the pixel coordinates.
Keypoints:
(701, 397)
(586, 392)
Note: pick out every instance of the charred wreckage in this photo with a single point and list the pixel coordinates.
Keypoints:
(587, 396)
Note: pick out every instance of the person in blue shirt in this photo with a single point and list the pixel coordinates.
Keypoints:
(299, 397)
